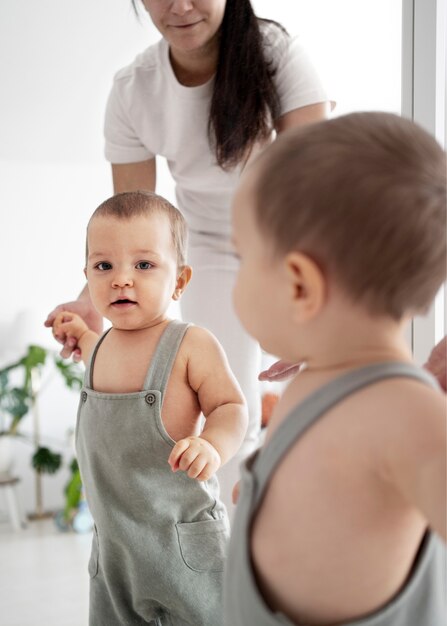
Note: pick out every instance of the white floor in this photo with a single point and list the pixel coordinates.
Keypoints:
(43, 576)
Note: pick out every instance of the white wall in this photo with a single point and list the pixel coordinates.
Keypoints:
(57, 60)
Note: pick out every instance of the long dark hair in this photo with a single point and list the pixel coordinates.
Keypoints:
(245, 101)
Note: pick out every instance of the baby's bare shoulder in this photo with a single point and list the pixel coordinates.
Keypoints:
(207, 364)
(418, 413)
(200, 344)
(408, 403)
(403, 420)
(379, 422)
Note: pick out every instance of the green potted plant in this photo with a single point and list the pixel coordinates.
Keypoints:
(20, 384)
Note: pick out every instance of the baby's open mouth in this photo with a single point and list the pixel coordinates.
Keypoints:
(124, 301)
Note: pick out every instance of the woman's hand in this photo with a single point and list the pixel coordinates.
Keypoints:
(437, 363)
(87, 312)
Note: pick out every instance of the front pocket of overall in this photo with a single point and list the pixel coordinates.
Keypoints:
(93, 563)
(203, 545)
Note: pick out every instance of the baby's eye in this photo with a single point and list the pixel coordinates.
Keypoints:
(103, 266)
(143, 265)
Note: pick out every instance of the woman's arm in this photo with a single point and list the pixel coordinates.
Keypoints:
(134, 176)
(302, 116)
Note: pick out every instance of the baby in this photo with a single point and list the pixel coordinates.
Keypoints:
(341, 231)
(146, 464)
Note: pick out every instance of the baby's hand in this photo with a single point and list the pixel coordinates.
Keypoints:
(196, 456)
(280, 370)
(235, 492)
(67, 325)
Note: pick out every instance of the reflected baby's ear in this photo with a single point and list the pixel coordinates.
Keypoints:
(307, 286)
(183, 278)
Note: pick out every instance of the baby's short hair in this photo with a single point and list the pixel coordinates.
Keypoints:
(364, 196)
(129, 204)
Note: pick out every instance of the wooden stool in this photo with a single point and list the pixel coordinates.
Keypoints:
(9, 483)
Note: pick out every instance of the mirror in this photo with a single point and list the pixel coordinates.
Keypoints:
(57, 63)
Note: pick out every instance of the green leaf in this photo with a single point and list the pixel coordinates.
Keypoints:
(16, 403)
(73, 494)
(4, 380)
(45, 461)
(5, 370)
(71, 373)
(74, 467)
(35, 356)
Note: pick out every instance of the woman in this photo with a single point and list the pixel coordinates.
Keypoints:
(207, 97)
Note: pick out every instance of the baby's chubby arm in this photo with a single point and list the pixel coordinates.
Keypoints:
(222, 404)
(67, 324)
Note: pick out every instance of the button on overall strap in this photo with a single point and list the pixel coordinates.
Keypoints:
(163, 359)
(316, 405)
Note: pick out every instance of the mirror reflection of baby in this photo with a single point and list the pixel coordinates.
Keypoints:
(147, 466)
(341, 232)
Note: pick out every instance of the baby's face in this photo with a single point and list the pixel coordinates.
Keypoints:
(261, 291)
(131, 269)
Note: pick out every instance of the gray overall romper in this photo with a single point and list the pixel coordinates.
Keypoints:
(421, 602)
(160, 537)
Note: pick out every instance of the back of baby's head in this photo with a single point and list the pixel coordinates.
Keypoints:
(363, 195)
(130, 204)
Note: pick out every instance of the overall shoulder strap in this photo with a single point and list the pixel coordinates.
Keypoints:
(317, 404)
(88, 377)
(163, 359)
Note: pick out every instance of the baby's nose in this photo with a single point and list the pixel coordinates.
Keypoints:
(122, 279)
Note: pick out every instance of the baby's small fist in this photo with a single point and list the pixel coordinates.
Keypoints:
(195, 456)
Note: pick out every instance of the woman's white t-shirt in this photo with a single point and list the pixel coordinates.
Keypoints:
(150, 113)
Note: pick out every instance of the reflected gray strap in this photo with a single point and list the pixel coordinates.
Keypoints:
(316, 405)
(163, 359)
(89, 369)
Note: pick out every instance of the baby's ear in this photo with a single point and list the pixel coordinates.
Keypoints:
(307, 286)
(183, 278)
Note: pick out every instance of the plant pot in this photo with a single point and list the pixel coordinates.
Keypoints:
(6, 453)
